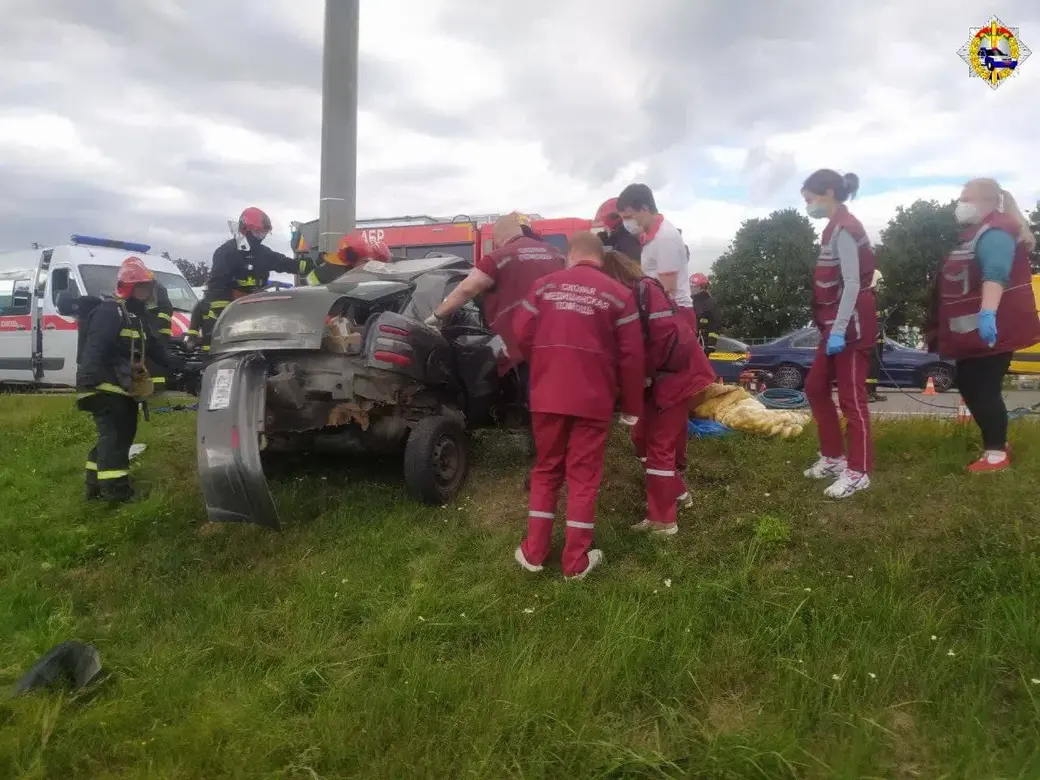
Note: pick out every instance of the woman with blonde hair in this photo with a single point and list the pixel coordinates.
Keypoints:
(676, 369)
(983, 308)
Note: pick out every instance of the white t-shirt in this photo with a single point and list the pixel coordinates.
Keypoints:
(666, 253)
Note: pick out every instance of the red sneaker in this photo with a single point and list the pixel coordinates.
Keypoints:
(984, 465)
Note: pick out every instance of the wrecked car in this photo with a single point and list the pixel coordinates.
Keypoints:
(348, 367)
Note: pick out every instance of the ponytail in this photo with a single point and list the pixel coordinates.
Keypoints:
(622, 268)
(1010, 207)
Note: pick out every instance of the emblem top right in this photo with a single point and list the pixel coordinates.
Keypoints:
(994, 52)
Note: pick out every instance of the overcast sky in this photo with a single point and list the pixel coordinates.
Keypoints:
(157, 121)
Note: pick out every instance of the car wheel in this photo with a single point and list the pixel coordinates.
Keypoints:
(789, 377)
(941, 374)
(436, 460)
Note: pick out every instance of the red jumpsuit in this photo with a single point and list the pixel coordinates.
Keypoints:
(700, 375)
(850, 366)
(580, 332)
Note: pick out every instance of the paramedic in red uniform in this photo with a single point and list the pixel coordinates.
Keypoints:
(237, 272)
(845, 312)
(676, 369)
(663, 257)
(984, 309)
(579, 330)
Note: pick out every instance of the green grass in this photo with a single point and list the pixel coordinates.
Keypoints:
(780, 636)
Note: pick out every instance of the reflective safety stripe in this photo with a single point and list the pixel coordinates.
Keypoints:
(657, 315)
(712, 335)
(871, 381)
(302, 267)
(659, 473)
(626, 320)
(166, 331)
(219, 304)
(313, 280)
(529, 306)
(158, 380)
(249, 281)
(114, 474)
(108, 387)
(541, 515)
(90, 466)
(129, 333)
(576, 524)
(191, 333)
(164, 316)
(964, 324)
(206, 348)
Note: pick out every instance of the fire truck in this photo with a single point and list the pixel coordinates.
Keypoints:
(412, 237)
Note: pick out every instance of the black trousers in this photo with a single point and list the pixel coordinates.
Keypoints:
(981, 382)
(108, 464)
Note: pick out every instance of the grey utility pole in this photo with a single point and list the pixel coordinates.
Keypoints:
(339, 91)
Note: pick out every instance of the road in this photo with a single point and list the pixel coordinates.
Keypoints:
(914, 404)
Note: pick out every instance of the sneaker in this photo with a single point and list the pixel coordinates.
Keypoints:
(656, 529)
(848, 483)
(685, 501)
(991, 462)
(520, 558)
(595, 559)
(826, 468)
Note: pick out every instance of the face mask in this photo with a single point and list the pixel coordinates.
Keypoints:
(966, 213)
(632, 227)
(816, 211)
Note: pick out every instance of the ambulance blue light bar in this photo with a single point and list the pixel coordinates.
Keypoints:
(110, 243)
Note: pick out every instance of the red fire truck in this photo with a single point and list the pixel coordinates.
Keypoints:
(422, 236)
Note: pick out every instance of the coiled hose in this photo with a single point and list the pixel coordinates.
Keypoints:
(779, 398)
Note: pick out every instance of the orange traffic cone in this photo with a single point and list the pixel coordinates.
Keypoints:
(963, 414)
(929, 389)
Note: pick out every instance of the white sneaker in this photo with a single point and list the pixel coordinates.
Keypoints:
(519, 557)
(595, 559)
(656, 529)
(848, 483)
(826, 468)
(685, 501)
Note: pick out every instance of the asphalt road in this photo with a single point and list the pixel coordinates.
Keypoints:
(913, 404)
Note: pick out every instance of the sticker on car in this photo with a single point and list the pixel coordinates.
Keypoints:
(220, 395)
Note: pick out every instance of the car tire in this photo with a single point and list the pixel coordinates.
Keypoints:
(788, 376)
(436, 460)
(942, 376)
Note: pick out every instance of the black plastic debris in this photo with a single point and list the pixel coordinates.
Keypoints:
(70, 662)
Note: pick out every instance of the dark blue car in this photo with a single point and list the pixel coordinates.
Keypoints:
(789, 358)
(729, 360)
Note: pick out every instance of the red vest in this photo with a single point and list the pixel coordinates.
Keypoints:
(960, 298)
(514, 267)
(828, 286)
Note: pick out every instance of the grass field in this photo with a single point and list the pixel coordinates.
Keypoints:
(780, 636)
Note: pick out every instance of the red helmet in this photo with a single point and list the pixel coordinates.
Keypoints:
(133, 271)
(380, 251)
(354, 248)
(254, 221)
(608, 215)
(699, 280)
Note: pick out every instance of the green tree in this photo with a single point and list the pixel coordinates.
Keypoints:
(913, 246)
(196, 273)
(1034, 223)
(763, 283)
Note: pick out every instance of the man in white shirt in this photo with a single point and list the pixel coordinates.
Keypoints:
(664, 254)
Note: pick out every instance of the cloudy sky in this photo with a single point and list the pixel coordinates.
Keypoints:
(157, 120)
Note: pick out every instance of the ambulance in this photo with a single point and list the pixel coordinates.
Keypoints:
(37, 343)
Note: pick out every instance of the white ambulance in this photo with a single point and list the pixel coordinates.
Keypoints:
(37, 343)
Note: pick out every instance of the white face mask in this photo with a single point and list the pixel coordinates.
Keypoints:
(632, 227)
(966, 213)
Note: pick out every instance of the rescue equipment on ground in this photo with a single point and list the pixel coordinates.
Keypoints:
(736, 408)
(707, 429)
(929, 389)
(782, 398)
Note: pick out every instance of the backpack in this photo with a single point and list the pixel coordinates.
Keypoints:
(680, 353)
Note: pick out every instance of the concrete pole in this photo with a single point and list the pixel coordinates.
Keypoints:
(337, 210)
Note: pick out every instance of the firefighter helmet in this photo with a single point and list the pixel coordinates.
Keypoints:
(254, 221)
(132, 272)
(354, 249)
(607, 215)
(699, 280)
(878, 279)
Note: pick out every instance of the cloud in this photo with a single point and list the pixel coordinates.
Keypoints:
(158, 121)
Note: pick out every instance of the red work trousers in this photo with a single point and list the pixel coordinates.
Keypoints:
(850, 369)
(662, 452)
(570, 448)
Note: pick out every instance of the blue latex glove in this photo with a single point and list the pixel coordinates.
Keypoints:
(988, 327)
(835, 344)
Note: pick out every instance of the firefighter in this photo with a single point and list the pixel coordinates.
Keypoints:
(615, 236)
(157, 316)
(112, 378)
(707, 311)
(502, 278)
(878, 355)
(580, 331)
(238, 269)
(353, 251)
(984, 309)
(676, 370)
(845, 312)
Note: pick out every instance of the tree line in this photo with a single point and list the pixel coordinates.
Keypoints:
(763, 282)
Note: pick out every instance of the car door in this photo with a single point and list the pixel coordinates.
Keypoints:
(16, 328)
(59, 333)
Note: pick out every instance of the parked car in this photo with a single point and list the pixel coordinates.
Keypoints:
(789, 358)
(729, 359)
